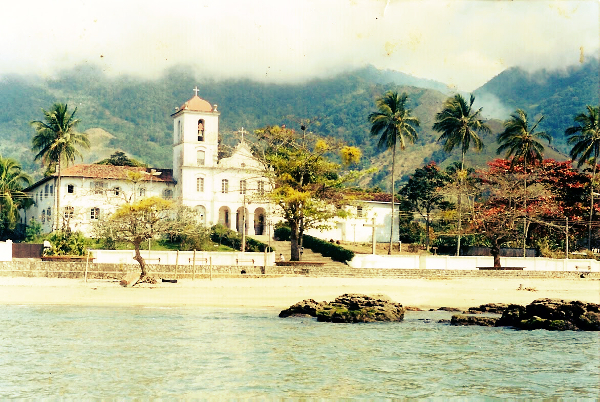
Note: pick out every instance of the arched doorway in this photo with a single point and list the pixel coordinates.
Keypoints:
(259, 221)
(225, 217)
(201, 214)
(239, 220)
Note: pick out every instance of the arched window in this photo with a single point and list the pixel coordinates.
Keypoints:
(43, 216)
(200, 130)
(200, 184)
(242, 186)
(200, 157)
(260, 186)
(142, 192)
(224, 186)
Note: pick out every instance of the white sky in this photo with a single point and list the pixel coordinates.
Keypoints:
(460, 43)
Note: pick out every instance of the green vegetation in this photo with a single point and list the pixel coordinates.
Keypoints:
(393, 124)
(12, 198)
(224, 236)
(56, 143)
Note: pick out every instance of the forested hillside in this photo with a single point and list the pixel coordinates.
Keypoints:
(558, 95)
(133, 115)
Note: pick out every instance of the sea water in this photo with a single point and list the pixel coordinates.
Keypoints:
(135, 352)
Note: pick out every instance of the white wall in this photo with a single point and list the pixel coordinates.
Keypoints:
(469, 263)
(185, 258)
(6, 250)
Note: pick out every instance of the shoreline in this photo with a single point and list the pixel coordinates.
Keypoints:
(282, 292)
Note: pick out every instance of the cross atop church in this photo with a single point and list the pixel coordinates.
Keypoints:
(242, 131)
(195, 90)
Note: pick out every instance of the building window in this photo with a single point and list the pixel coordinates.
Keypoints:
(70, 189)
(200, 130)
(200, 158)
(242, 186)
(98, 187)
(142, 192)
(200, 184)
(117, 191)
(51, 190)
(167, 194)
(178, 131)
(261, 187)
(95, 213)
(69, 211)
(46, 191)
(359, 212)
(48, 213)
(43, 216)
(224, 186)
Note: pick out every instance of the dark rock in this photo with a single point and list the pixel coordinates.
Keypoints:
(553, 315)
(448, 309)
(462, 319)
(349, 308)
(307, 307)
(410, 308)
(493, 308)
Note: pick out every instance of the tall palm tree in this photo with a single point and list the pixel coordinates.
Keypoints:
(521, 142)
(460, 126)
(56, 142)
(394, 125)
(585, 138)
(12, 182)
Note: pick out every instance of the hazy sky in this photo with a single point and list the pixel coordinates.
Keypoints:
(461, 43)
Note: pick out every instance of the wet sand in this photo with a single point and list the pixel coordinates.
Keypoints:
(285, 291)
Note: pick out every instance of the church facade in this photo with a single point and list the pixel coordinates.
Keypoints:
(227, 191)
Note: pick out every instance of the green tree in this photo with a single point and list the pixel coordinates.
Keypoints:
(520, 142)
(304, 182)
(119, 158)
(56, 142)
(460, 125)
(394, 125)
(585, 138)
(422, 192)
(137, 222)
(12, 182)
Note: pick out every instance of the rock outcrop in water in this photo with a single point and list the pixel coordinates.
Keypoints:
(552, 314)
(349, 308)
(549, 314)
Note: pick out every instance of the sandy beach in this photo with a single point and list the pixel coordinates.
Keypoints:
(285, 291)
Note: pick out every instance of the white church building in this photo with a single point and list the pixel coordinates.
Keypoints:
(218, 189)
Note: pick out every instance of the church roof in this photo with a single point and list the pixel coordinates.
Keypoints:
(197, 104)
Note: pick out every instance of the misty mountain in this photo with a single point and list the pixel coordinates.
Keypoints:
(133, 115)
(558, 95)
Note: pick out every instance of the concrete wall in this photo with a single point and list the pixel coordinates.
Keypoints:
(6, 250)
(37, 268)
(472, 263)
(185, 258)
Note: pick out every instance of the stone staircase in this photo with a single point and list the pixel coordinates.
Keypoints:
(284, 247)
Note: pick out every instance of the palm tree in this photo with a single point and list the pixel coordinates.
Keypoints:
(393, 124)
(585, 137)
(521, 142)
(12, 197)
(460, 126)
(56, 142)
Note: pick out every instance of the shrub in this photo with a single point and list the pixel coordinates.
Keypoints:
(67, 243)
(282, 233)
(331, 250)
(222, 235)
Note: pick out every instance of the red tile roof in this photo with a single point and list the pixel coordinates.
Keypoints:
(117, 172)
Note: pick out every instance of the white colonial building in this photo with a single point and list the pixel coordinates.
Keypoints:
(219, 189)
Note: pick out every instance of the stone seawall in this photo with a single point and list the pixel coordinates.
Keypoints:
(37, 268)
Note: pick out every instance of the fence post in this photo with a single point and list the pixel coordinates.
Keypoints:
(176, 263)
(87, 261)
(194, 266)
